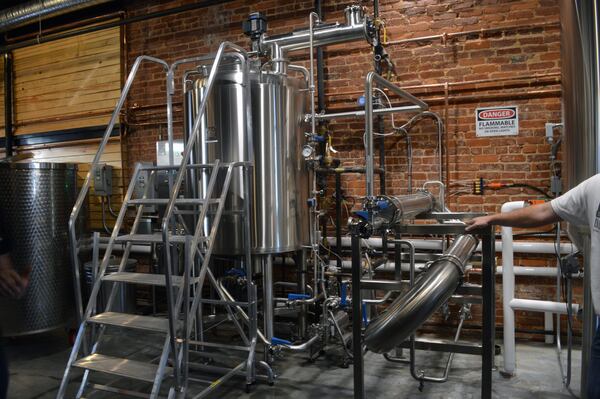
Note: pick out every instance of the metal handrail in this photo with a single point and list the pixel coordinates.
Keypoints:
(95, 162)
(241, 54)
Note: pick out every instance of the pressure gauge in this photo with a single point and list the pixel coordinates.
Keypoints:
(307, 151)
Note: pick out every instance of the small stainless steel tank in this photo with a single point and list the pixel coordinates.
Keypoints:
(276, 107)
(36, 200)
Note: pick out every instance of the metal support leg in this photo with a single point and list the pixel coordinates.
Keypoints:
(302, 270)
(589, 320)
(489, 313)
(267, 269)
(338, 218)
(357, 353)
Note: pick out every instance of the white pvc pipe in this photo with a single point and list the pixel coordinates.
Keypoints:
(508, 290)
(549, 326)
(524, 247)
(532, 271)
(534, 305)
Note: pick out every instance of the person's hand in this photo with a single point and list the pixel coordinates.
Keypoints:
(13, 284)
(478, 223)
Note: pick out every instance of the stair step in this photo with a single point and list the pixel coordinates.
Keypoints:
(146, 323)
(178, 201)
(153, 238)
(142, 278)
(176, 167)
(122, 367)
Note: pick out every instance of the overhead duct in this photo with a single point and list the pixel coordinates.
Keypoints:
(34, 11)
(431, 290)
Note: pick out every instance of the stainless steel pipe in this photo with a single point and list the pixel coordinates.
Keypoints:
(434, 288)
(355, 28)
(372, 78)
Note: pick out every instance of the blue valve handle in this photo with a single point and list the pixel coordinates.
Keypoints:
(344, 294)
(364, 314)
(294, 297)
(279, 341)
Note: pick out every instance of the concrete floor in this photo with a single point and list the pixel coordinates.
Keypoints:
(37, 363)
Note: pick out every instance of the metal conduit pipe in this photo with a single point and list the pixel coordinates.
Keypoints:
(440, 132)
(433, 289)
(37, 10)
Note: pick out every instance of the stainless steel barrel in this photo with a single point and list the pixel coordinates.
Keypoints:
(275, 110)
(431, 290)
(36, 199)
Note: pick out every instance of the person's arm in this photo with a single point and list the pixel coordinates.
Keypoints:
(12, 284)
(531, 216)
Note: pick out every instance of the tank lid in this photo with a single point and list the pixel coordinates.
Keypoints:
(37, 165)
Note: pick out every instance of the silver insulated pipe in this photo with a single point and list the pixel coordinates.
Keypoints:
(430, 291)
(34, 11)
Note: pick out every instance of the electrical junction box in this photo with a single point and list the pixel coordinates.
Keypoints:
(144, 186)
(103, 180)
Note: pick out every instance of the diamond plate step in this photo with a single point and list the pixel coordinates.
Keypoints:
(121, 367)
(146, 323)
(142, 278)
(152, 238)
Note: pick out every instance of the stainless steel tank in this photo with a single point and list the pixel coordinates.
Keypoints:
(275, 110)
(36, 200)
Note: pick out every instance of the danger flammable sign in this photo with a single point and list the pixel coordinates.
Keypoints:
(497, 121)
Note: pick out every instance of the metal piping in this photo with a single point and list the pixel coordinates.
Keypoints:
(355, 28)
(372, 78)
(409, 311)
(37, 10)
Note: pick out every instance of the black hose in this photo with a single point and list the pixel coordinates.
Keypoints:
(534, 188)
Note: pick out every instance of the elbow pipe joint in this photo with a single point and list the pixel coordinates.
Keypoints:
(432, 290)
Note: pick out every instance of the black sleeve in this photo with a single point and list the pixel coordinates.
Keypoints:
(5, 244)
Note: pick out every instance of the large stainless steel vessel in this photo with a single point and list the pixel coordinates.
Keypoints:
(275, 113)
(36, 199)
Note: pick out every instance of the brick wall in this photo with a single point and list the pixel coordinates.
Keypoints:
(475, 66)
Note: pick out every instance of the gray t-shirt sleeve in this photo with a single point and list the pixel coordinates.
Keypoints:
(571, 206)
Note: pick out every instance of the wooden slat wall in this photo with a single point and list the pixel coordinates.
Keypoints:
(1, 97)
(82, 154)
(69, 83)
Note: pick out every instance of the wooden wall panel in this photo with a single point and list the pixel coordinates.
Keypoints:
(69, 83)
(1, 97)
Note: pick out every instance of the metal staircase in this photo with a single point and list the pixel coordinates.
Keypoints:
(184, 281)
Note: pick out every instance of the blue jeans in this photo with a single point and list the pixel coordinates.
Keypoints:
(593, 388)
(3, 373)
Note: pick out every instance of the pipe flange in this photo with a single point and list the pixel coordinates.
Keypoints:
(455, 260)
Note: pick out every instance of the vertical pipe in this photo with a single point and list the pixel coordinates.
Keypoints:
(549, 326)
(489, 312)
(267, 264)
(369, 133)
(301, 270)
(338, 218)
(588, 320)
(320, 65)
(357, 352)
(508, 291)
(8, 105)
